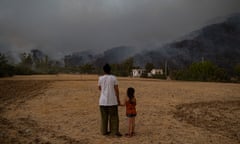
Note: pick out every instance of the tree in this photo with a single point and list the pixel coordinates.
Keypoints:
(149, 67)
(5, 68)
(40, 61)
(202, 71)
(26, 60)
(128, 66)
(87, 68)
(3, 59)
(124, 68)
(237, 72)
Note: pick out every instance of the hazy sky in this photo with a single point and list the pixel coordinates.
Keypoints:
(60, 26)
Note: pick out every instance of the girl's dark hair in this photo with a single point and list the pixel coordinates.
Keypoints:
(130, 94)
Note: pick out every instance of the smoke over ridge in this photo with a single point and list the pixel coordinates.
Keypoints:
(60, 27)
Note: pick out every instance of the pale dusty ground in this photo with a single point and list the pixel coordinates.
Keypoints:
(64, 109)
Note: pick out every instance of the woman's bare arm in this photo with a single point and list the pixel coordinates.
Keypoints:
(117, 93)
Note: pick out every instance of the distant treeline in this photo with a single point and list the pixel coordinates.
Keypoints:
(207, 71)
(200, 71)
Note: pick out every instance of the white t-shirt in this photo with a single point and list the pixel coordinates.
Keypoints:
(108, 96)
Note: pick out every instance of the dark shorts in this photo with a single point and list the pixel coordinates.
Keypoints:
(131, 115)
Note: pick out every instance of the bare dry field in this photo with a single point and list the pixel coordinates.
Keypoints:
(63, 109)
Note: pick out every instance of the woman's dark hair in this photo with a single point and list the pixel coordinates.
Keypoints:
(130, 94)
(107, 68)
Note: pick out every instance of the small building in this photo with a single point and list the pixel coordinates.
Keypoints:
(157, 71)
(137, 72)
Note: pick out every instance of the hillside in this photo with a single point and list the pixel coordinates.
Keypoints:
(113, 55)
(219, 43)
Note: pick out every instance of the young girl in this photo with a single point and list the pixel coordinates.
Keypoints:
(130, 103)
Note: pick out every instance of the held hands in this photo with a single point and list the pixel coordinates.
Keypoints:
(120, 104)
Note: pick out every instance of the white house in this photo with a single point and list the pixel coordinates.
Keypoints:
(137, 72)
(157, 71)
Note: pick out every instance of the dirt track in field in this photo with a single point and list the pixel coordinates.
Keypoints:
(64, 109)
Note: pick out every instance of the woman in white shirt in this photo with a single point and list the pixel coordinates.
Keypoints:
(108, 102)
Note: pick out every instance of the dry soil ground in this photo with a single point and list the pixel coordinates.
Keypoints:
(64, 109)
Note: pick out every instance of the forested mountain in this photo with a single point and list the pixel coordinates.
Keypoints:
(218, 43)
